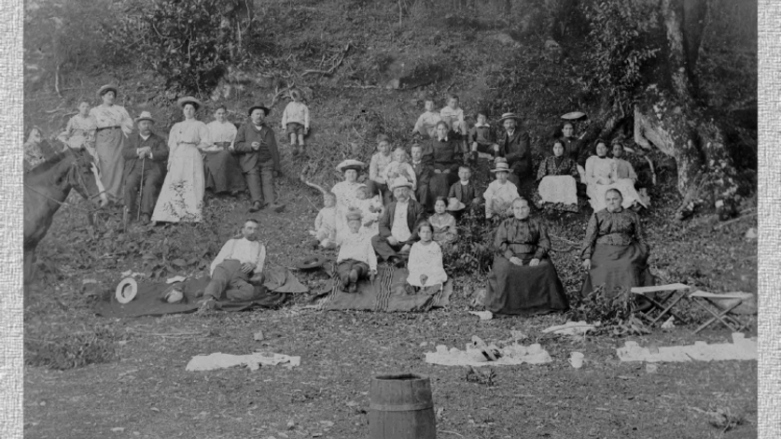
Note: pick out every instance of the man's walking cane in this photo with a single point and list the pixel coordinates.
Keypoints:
(140, 190)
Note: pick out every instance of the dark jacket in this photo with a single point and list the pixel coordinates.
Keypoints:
(159, 148)
(517, 151)
(465, 194)
(423, 172)
(483, 135)
(250, 158)
(415, 215)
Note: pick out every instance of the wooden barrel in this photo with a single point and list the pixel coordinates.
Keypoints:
(401, 408)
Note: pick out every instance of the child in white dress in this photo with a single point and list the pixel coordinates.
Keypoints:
(501, 193)
(325, 223)
(356, 259)
(425, 261)
(371, 209)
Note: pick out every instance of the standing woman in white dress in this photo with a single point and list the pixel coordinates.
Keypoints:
(113, 126)
(181, 197)
(222, 170)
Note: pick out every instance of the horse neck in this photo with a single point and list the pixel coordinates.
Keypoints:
(54, 186)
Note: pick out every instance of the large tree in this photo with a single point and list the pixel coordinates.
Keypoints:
(645, 54)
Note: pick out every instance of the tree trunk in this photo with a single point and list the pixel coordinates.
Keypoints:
(673, 121)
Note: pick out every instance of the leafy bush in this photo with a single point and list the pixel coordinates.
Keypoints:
(473, 253)
(183, 41)
(619, 46)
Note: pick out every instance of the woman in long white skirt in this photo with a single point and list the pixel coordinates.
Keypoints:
(181, 197)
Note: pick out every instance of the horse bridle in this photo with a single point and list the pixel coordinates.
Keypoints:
(80, 184)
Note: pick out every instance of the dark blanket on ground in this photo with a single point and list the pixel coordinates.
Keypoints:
(387, 293)
(149, 303)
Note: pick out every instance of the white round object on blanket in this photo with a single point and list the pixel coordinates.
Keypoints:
(126, 290)
(174, 296)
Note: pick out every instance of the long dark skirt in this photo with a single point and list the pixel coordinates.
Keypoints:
(439, 185)
(222, 172)
(617, 267)
(524, 290)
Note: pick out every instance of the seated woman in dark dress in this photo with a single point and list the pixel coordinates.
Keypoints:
(444, 153)
(523, 279)
(615, 252)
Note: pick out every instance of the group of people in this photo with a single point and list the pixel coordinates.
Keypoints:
(172, 177)
(406, 211)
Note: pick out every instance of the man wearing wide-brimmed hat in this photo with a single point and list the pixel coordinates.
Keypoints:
(146, 155)
(514, 145)
(256, 146)
(398, 224)
(114, 124)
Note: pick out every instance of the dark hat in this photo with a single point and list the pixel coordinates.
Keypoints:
(107, 88)
(189, 100)
(266, 110)
(310, 262)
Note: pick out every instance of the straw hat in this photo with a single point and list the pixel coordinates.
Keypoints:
(575, 115)
(454, 205)
(189, 100)
(506, 116)
(501, 166)
(400, 182)
(350, 164)
(145, 115)
(107, 88)
(126, 290)
(266, 110)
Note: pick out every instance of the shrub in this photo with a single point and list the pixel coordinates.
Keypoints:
(619, 46)
(183, 41)
(473, 253)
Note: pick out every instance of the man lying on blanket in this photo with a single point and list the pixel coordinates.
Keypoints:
(239, 262)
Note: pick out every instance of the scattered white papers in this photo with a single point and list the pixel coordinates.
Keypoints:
(572, 328)
(219, 360)
(484, 315)
(510, 355)
(741, 348)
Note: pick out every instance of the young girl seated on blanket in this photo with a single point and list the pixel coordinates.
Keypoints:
(443, 225)
(425, 261)
(325, 223)
(356, 258)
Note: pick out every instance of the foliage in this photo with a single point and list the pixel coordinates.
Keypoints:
(473, 253)
(619, 47)
(183, 41)
(614, 313)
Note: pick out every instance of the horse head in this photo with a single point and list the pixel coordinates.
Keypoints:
(84, 177)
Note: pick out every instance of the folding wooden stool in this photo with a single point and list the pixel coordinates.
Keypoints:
(725, 315)
(663, 298)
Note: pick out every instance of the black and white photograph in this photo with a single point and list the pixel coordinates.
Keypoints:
(409, 219)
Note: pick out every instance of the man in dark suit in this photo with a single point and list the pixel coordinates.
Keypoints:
(398, 224)
(514, 145)
(256, 146)
(146, 157)
(423, 174)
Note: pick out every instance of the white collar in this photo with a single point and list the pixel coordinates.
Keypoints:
(142, 136)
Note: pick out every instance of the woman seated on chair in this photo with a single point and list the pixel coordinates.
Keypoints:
(615, 253)
(602, 174)
(523, 279)
(557, 181)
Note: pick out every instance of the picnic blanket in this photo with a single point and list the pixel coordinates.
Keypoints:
(386, 293)
(280, 282)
